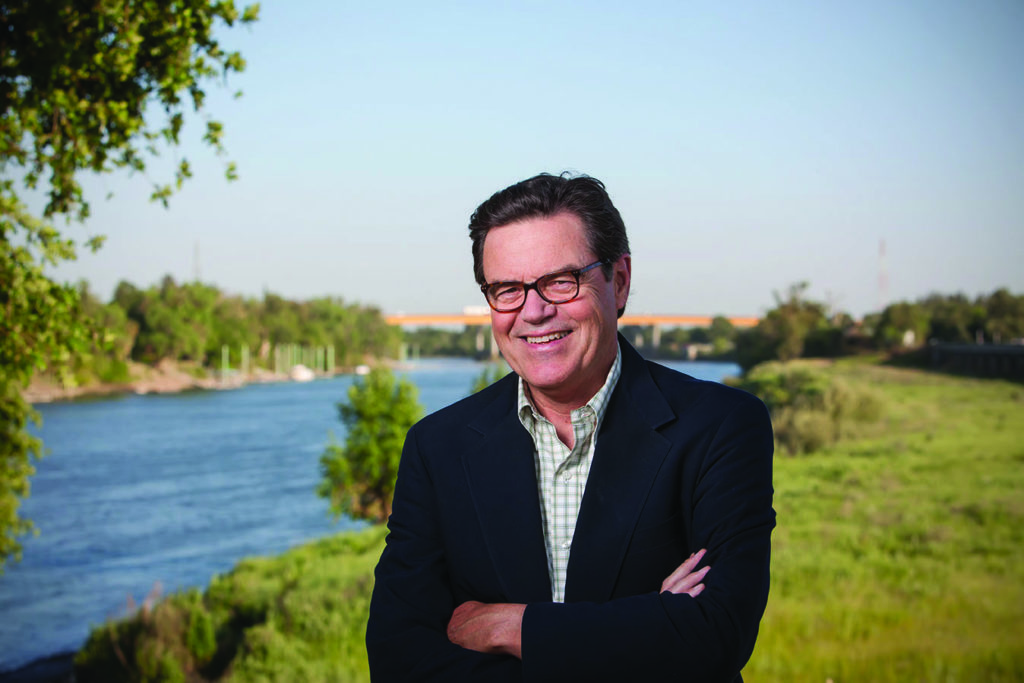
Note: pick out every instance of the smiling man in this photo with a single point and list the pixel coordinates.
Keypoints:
(592, 516)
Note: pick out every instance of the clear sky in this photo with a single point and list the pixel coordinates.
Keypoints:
(748, 146)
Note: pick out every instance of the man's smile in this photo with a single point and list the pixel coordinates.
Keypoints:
(543, 339)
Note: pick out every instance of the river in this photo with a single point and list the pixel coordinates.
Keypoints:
(152, 494)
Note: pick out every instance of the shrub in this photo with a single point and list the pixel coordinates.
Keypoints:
(810, 409)
(200, 639)
(300, 616)
(359, 476)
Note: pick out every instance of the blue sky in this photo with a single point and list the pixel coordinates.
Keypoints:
(748, 145)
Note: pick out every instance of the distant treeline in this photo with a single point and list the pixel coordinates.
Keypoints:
(194, 321)
(799, 327)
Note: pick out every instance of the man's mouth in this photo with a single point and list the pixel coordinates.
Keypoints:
(546, 338)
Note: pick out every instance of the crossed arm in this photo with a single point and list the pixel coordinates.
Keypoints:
(497, 628)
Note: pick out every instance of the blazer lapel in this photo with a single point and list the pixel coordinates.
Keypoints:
(503, 484)
(627, 459)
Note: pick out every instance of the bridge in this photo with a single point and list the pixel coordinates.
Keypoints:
(479, 316)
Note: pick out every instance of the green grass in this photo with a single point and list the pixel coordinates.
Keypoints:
(899, 556)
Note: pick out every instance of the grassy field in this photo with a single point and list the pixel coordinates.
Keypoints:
(898, 557)
(898, 554)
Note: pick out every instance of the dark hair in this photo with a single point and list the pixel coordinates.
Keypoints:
(547, 195)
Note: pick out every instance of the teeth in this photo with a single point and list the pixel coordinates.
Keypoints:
(546, 338)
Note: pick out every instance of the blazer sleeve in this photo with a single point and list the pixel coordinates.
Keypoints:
(412, 601)
(667, 637)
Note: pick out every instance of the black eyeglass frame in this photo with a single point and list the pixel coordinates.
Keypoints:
(535, 285)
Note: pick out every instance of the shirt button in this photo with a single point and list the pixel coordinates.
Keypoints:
(567, 477)
(565, 546)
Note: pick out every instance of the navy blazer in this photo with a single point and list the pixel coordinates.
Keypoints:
(680, 464)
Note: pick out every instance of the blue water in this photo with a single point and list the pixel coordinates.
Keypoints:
(144, 493)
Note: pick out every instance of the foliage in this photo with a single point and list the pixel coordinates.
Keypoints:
(798, 328)
(996, 317)
(1004, 316)
(78, 85)
(193, 321)
(491, 373)
(112, 336)
(809, 408)
(901, 324)
(39, 324)
(359, 478)
(783, 331)
(300, 616)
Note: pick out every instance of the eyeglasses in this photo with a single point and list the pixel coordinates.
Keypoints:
(555, 288)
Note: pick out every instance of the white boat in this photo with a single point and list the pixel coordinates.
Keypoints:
(300, 373)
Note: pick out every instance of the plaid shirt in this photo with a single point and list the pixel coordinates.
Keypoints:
(562, 472)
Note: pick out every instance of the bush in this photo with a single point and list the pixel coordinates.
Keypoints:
(300, 616)
(200, 639)
(359, 476)
(810, 409)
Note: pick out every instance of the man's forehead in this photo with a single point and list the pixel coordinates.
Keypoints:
(535, 247)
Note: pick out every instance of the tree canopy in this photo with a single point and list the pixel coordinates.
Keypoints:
(84, 88)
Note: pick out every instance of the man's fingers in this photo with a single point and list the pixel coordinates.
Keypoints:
(688, 583)
(683, 570)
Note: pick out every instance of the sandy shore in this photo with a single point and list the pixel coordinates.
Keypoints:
(166, 377)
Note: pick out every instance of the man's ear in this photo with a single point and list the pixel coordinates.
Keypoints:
(621, 273)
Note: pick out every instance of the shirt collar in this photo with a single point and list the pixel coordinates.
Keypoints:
(598, 403)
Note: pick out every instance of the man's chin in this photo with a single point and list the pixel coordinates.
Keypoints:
(552, 383)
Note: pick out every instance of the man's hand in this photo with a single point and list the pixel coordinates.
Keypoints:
(684, 579)
(495, 629)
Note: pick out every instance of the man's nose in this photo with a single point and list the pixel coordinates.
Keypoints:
(535, 309)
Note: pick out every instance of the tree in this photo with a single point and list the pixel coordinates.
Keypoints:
(954, 318)
(80, 88)
(781, 334)
(359, 477)
(902, 324)
(1004, 316)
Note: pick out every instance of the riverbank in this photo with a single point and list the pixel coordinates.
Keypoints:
(166, 377)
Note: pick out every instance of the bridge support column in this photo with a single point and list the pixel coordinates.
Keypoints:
(656, 336)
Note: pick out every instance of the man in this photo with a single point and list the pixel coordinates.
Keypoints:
(590, 517)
